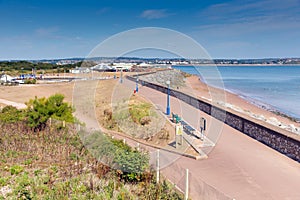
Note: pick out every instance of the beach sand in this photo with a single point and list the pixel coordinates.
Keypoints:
(236, 103)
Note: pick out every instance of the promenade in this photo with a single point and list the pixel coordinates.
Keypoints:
(238, 166)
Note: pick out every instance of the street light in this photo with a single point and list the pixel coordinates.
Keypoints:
(137, 84)
(168, 99)
(121, 77)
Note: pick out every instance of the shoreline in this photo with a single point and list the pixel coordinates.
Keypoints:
(252, 108)
(237, 65)
(264, 106)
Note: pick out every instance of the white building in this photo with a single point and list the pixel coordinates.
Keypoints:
(79, 70)
(6, 78)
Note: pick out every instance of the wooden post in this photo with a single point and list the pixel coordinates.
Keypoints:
(64, 124)
(124, 141)
(138, 146)
(50, 121)
(186, 193)
(157, 167)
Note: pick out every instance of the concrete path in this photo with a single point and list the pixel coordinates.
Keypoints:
(11, 103)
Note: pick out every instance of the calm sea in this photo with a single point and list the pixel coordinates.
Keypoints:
(277, 87)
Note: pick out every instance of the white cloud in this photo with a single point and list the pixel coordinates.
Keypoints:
(235, 11)
(155, 14)
(46, 32)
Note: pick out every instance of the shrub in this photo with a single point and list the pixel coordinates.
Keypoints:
(11, 114)
(40, 110)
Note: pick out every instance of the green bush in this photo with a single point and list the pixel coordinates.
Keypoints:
(30, 81)
(40, 110)
(11, 114)
(115, 153)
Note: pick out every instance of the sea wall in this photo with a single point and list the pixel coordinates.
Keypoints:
(281, 142)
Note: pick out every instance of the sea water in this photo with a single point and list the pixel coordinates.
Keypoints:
(274, 87)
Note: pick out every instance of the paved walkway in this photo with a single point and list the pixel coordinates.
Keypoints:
(238, 166)
(11, 103)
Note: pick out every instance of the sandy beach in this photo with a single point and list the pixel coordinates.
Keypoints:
(236, 103)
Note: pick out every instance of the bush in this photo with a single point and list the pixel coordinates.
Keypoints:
(115, 153)
(30, 81)
(10, 114)
(140, 113)
(40, 110)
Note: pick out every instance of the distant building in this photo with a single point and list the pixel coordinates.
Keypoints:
(6, 78)
(79, 70)
(102, 67)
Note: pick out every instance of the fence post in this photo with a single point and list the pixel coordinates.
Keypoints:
(157, 167)
(186, 193)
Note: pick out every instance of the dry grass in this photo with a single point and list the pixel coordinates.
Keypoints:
(24, 93)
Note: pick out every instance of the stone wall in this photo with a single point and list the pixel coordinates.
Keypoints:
(274, 139)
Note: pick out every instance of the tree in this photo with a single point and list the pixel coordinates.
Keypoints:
(40, 110)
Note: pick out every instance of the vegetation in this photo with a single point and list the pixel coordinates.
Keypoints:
(10, 114)
(30, 81)
(130, 162)
(57, 163)
(40, 110)
(140, 112)
(25, 66)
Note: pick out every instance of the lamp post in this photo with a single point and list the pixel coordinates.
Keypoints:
(168, 99)
(137, 84)
(121, 77)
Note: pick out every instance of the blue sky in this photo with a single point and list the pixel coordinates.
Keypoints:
(39, 29)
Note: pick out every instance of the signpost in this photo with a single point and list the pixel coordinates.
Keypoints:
(178, 136)
(202, 127)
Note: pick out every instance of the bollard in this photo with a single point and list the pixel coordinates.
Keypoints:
(157, 167)
(186, 193)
